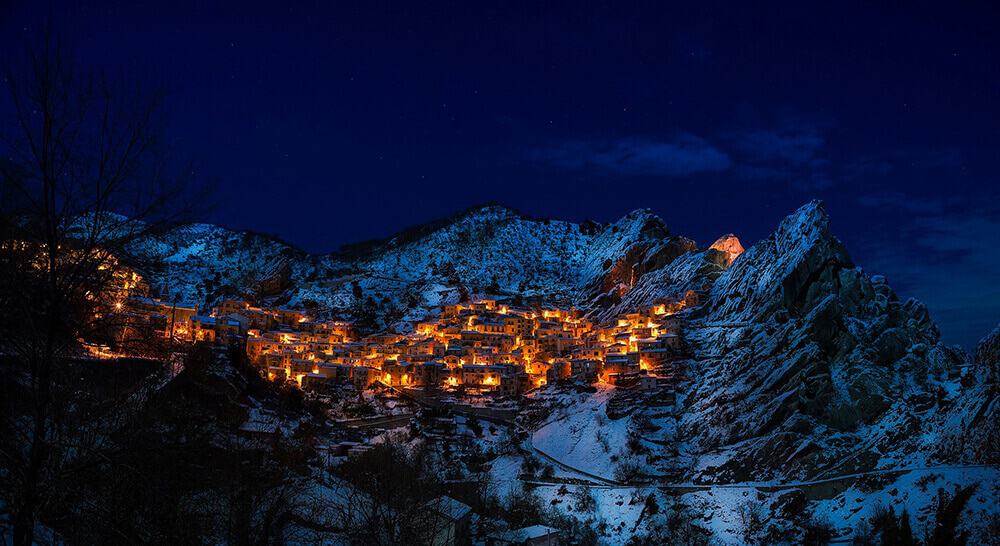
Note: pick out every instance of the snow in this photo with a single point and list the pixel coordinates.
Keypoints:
(487, 247)
(916, 492)
(583, 437)
(762, 391)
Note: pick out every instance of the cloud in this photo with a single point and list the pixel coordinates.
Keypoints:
(942, 251)
(907, 162)
(867, 166)
(905, 203)
(683, 155)
(796, 144)
(793, 152)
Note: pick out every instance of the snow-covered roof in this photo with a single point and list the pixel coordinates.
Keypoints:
(259, 427)
(483, 367)
(535, 531)
(450, 507)
(525, 534)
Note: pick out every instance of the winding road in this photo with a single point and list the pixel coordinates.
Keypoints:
(820, 488)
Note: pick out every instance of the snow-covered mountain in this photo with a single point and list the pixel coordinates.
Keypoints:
(804, 365)
(797, 357)
(799, 366)
(486, 250)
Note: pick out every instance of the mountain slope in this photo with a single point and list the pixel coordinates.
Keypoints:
(799, 365)
(487, 250)
(804, 365)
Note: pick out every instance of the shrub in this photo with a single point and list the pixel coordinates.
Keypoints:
(680, 528)
(635, 444)
(530, 465)
(627, 470)
(751, 518)
(864, 535)
(891, 528)
(583, 500)
(522, 507)
(947, 515)
(651, 507)
(816, 532)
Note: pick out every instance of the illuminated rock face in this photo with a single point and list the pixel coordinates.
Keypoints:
(730, 246)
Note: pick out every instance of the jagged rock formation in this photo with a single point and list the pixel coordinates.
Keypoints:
(199, 262)
(486, 250)
(988, 349)
(807, 365)
(730, 246)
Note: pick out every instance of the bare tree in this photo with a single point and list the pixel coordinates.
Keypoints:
(82, 184)
(388, 496)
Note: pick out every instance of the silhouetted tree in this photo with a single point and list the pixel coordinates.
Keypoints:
(947, 515)
(892, 530)
(389, 493)
(83, 182)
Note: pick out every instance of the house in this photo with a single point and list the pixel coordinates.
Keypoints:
(289, 316)
(258, 346)
(399, 375)
(487, 377)
(427, 328)
(648, 382)
(452, 522)
(534, 535)
(363, 376)
(230, 306)
(260, 432)
(202, 329)
(259, 318)
(432, 373)
(616, 349)
(488, 326)
(177, 314)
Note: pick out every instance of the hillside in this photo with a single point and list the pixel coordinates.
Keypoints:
(487, 250)
(798, 366)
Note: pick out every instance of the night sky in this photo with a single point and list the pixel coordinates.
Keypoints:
(330, 122)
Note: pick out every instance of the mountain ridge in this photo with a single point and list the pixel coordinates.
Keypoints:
(796, 364)
(248, 258)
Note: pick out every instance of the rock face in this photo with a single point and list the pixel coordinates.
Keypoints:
(201, 261)
(988, 350)
(730, 246)
(488, 250)
(806, 365)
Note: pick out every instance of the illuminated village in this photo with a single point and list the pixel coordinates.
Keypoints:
(480, 347)
(483, 347)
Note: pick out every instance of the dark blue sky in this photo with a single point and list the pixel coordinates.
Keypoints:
(332, 122)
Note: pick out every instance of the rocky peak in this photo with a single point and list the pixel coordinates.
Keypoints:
(642, 222)
(988, 350)
(729, 245)
(491, 211)
(794, 269)
(806, 226)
